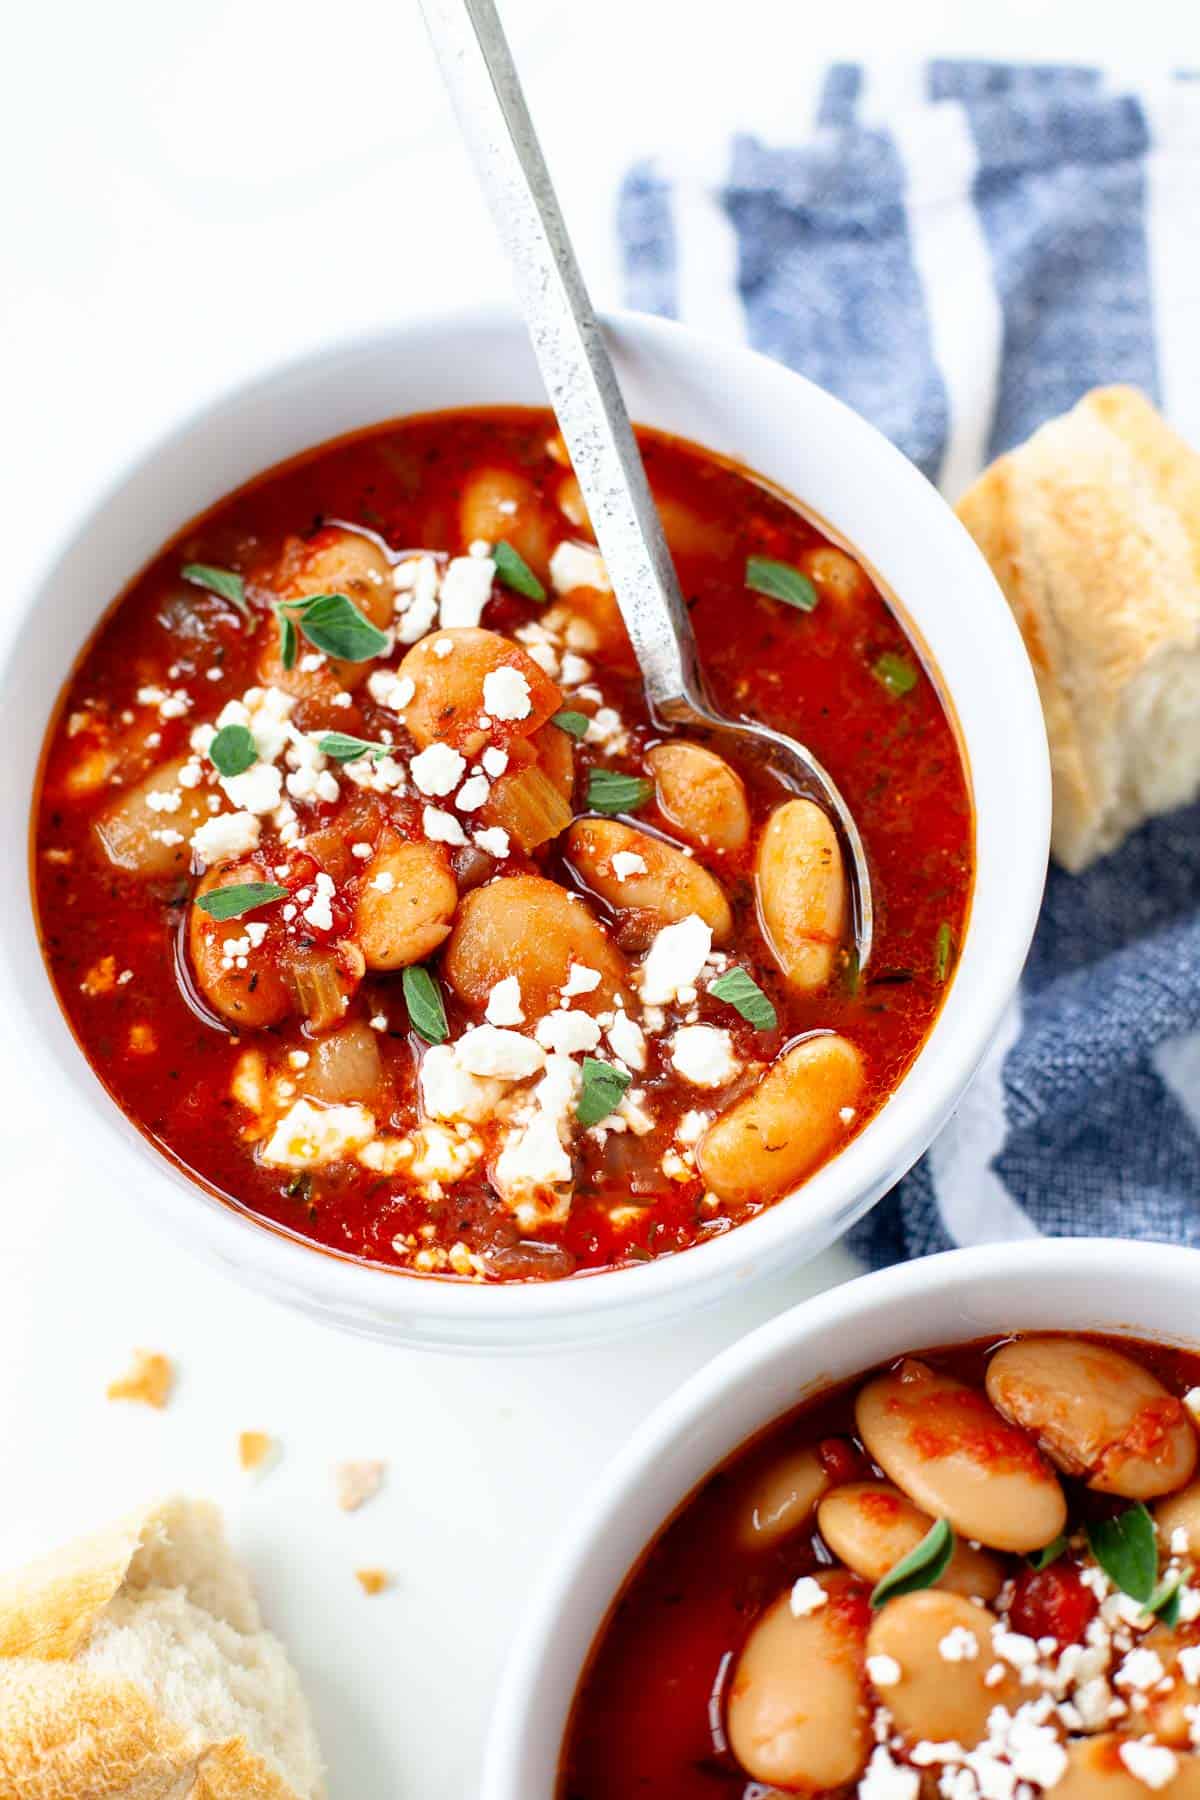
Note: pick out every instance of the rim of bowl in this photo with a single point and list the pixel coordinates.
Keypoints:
(361, 1296)
(1139, 1267)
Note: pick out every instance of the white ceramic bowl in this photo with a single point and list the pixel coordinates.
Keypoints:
(1093, 1284)
(736, 403)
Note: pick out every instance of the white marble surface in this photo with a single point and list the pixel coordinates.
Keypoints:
(190, 192)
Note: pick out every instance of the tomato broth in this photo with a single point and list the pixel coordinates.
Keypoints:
(276, 1052)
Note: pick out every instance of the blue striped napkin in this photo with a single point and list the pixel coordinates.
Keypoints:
(960, 250)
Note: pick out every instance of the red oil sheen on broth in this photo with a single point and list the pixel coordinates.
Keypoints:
(895, 757)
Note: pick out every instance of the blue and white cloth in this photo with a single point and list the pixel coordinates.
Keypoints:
(960, 251)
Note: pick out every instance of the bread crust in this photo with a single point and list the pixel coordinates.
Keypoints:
(1092, 529)
(69, 1734)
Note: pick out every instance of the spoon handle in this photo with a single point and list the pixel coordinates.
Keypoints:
(479, 72)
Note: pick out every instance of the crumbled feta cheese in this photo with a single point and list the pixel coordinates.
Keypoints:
(568, 1033)
(191, 774)
(440, 1155)
(416, 583)
(1179, 1541)
(626, 863)
(385, 881)
(1192, 1401)
(466, 589)
(310, 662)
(167, 800)
(886, 1779)
(364, 852)
(606, 730)
(1140, 1670)
(320, 914)
(388, 689)
(442, 827)
(494, 840)
(703, 1055)
(627, 1041)
(534, 1157)
(308, 1135)
(958, 1645)
(580, 980)
(256, 790)
(226, 836)
(506, 693)
(883, 1671)
(256, 931)
(494, 761)
(674, 961)
(1149, 1762)
(808, 1596)
(504, 1003)
(437, 770)
(574, 669)
(448, 1091)
(473, 793)
(578, 566)
(691, 1128)
(490, 1050)
(1189, 1664)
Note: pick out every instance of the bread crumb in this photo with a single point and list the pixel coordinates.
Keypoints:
(255, 1450)
(372, 1581)
(150, 1380)
(356, 1482)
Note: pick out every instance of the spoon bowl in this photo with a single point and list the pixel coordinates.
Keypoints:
(565, 333)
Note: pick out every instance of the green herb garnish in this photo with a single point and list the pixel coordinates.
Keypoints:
(224, 582)
(895, 673)
(233, 750)
(333, 624)
(781, 582)
(287, 640)
(514, 572)
(575, 724)
(426, 1009)
(1049, 1553)
(1127, 1551)
(603, 1086)
(1165, 1600)
(345, 749)
(743, 993)
(920, 1568)
(232, 902)
(943, 945)
(609, 791)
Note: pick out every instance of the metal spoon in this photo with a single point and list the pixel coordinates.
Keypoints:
(479, 72)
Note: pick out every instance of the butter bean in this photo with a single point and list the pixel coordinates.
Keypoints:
(526, 926)
(958, 1459)
(871, 1526)
(781, 1499)
(1096, 1414)
(801, 889)
(767, 1142)
(1180, 1512)
(797, 1710)
(700, 795)
(940, 1697)
(670, 885)
(406, 903)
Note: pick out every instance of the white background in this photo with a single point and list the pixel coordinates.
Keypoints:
(188, 193)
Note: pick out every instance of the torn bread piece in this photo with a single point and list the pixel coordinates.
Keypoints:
(134, 1666)
(1092, 529)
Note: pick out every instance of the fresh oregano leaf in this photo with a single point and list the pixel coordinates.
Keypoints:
(781, 582)
(232, 902)
(1127, 1550)
(575, 724)
(920, 1568)
(743, 993)
(609, 791)
(233, 750)
(1049, 1553)
(287, 640)
(225, 582)
(345, 749)
(333, 624)
(426, 1009)
(1165, 1600)
(603, 1086)
(515, 573)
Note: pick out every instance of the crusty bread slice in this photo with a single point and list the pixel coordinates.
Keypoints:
(1092, 529)
(134, 1666)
